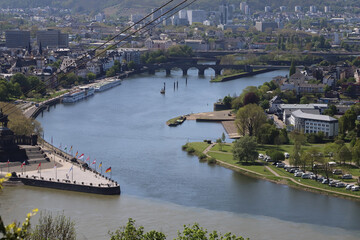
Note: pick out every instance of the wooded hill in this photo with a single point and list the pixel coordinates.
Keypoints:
(146, 5)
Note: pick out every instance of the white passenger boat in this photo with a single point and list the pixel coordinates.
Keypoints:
(78, 94)
(107, 85)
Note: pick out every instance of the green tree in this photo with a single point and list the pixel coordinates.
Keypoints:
(292, 68)
(356, 153)
(58, 227)
(22, 81)
(249, 119)
(91, 76)
(344, 154)
(299, 139)
(244, 149)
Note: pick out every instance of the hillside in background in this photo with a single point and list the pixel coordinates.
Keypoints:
(122, 6)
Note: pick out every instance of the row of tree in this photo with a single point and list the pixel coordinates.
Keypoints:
(161, 56)
(21, 86)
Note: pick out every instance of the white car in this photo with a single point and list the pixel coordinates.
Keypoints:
(355, 188)
(287, 155)
(305, 176)
(349, 186)
(340, 185)
(261, 156)
(298, 174)
(347, 176)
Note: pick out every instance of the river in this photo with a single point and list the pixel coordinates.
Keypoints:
(162, 187)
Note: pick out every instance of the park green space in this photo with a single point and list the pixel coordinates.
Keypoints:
(224, 154)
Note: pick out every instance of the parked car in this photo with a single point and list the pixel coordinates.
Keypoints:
(320, 178)
(340, 185)
(305, 176)
(268, 159)
(337, 171)
(261, 156)
(292, 170)
(298, 174)
(287, 155)
(333, 183)
(355, 188)
(325, 181)
(347, 176)
(349, 186)
(280, 165)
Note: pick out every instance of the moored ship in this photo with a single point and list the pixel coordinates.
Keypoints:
(107, 85)
(78, 94)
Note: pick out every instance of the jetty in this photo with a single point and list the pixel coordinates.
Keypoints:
(225, 117)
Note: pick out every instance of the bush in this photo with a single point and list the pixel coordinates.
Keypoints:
(276, 155)
(212, 160)
(190, 150)
(184, 147)
(202, 157)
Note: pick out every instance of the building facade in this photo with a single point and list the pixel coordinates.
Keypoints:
(52, 38)
(17, 39)
(314, 123)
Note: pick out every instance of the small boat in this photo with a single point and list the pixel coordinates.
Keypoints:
(162, 91)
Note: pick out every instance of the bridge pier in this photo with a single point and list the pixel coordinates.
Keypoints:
(202, 72)
(217, 72)
(168, 72)
(184, 72)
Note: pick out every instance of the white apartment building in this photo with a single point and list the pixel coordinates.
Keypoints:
(314, 123)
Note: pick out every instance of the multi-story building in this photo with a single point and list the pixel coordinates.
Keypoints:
(17, 39)
(314, 123)
(262, 26)
(226, 13)
(198, 16)
(52, 38)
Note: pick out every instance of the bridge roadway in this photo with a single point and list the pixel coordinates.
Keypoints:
(185, 66)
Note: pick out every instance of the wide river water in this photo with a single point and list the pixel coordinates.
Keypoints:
(163, 187)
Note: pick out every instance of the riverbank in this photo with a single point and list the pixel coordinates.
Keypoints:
(261, 170)
(240, 75)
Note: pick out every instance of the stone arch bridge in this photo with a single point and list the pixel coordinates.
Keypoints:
(201, 67)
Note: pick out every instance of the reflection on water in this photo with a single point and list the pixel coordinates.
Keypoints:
(162, 186)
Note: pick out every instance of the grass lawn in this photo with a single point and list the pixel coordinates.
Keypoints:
(228, 158)
(199, 146)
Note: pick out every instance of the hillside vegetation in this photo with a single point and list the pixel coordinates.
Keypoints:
(145, 5)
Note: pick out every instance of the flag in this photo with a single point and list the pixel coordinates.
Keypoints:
(94, 162)
(81, 156)
(22, 164)
(55, 165)
(38, 166)
(65, 148)
(60, 146)
(70, 149)
(108, 170)
(88, 159)
(51, 140)
(100, 165)
(71, 169)
(76, 153)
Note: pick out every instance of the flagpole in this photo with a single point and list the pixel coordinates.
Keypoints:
(40, 171)
(72, 173)
(8, 165)
(55, 172)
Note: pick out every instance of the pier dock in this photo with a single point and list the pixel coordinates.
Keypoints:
(59, 172)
